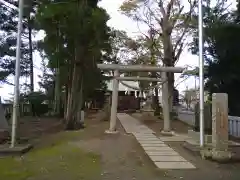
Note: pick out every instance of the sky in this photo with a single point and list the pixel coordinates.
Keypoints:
(121, 22)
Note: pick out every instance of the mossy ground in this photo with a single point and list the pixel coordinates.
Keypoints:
(54, 158)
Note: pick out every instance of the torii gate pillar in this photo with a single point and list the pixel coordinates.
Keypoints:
(165, 105)
(114, 106)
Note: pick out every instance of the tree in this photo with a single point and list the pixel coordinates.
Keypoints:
(221, 52)
(142, 52)
(190, 95)
(118, 47)
(169, 24)
(76, 37)
(29, 18)
(46, 82)
(8, 26)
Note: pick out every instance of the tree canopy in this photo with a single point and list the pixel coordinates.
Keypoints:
(221, 52)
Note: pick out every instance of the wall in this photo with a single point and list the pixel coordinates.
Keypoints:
(233, 121)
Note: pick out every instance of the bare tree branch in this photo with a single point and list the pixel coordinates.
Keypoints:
(160, 5)
(169, 8)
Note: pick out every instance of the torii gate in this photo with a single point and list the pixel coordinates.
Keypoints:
(139, 68)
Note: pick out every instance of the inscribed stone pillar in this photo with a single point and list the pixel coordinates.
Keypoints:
(220, 121)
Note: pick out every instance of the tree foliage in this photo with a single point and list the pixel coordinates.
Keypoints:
(77, 38)
(8, 38)
(169, 24)
(221, 52)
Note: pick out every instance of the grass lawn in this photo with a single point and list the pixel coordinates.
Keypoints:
(55, 159)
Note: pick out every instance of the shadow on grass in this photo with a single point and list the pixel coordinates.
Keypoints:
(54, 158)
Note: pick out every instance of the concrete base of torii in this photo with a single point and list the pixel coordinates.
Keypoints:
(111, 132)
(167, 133)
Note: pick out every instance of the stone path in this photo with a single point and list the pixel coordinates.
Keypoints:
(161, 154)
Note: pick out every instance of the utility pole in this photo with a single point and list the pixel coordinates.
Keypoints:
(201, 75)
(17, 75)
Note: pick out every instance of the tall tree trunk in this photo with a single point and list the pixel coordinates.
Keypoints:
(68, 89)
(154, 75)
(31, 61)
(72, 102)
(31, 57)
(57, 94)
(81, 102)
(68, 104)
(65, 100)
(72, 121)
(156, 100)
(168, 60)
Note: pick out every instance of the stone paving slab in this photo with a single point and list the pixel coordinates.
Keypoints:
(164, 158)
(152, 142)
(140, 133)
(166, 148)
(143, 133)
(154, 145)
(162, 153)
(145, 136)
(147, 139)
(174, 165)
(175, 138)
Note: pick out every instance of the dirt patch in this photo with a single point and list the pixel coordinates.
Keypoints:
(121, 156)
(32, 127)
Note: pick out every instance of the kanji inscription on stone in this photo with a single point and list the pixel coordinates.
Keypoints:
(220, 121)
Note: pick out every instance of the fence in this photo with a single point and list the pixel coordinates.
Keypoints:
(24, 108)
(233, 121)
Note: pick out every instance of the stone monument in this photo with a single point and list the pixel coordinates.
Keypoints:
(220, 127)
(107, 107)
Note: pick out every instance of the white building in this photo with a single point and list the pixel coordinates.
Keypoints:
(126, 87)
